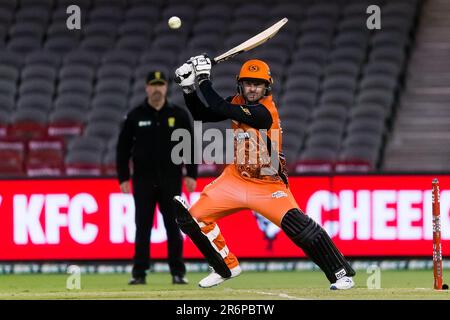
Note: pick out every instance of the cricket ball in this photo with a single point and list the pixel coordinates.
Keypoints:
(174, 22)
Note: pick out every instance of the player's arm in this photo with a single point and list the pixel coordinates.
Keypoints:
(256, 116)
(123, 150)
(198, 109)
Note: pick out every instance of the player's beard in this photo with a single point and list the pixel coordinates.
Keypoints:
(253, 97)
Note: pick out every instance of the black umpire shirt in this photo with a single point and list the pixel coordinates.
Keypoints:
(145, 137)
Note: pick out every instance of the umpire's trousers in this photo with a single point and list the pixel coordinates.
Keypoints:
(147, 193)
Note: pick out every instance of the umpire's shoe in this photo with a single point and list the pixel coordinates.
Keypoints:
(343, 283)
(179, 280)
(137, 280)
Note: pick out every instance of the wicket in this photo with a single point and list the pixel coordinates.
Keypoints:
(437, 251)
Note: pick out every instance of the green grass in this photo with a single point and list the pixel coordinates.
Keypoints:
(250, 285)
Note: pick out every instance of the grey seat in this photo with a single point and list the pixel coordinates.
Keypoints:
(142, 28)
(43, 58)
(12, 59)
(113, 85)
(323, 9)
(38, 14)
(145, 12)
(325, 140)
(330, 111)
(86, 143)
(302, 82)
(390, 38)
(72, 101)
(76, 85)
(26, 29)
(34, 115)
(7, 88)
(316, 54)
(100, 29)
(356, 40)
(396, 55)
(6, 102)
(250, 10)
(115, 71)
(82, 57)
(380, 96)
(217, 11)
(332, 126)
(368, 139)
(169, 42)
(24, 45)
(158, 56)
(382, 67)
(343, 82)
(8, 73)
(348, 54)
(76, 71)
(318, 154)
(360, 153)
(378, 82)
(102, 129)
(211, 25)
(47, 73)
(61, 44)
(337, 96)
(359, 125)
(136, 43)
(37, 86)
(303, 98)
(97, 44)
(105, 115)
(300, 68)
(107, 14)
(290, 10)
(67, 115)
(372, 111)
(35, 101)
(112, 101)
(348, 69)
(120, 57)
(314, 39)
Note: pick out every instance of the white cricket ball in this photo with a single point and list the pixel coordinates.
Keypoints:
(174, 22)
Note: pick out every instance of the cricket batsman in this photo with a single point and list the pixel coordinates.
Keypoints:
(255, 181)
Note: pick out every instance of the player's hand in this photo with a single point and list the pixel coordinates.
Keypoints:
(202, 67)
(186, 74)
(190, 183)
(125, 187)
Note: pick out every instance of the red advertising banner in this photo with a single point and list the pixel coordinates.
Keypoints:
(89, 219)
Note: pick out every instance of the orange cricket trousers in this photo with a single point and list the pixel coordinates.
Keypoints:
(230, 193)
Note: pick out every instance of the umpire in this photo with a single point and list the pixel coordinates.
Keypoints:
(145, 137)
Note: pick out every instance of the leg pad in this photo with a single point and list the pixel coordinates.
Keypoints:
(190, 227)
(317, 244)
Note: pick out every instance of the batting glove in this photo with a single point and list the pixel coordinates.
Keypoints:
(202, 67)
(186, 76)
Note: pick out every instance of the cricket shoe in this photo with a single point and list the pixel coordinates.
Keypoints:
(343, 283)
(213, 279)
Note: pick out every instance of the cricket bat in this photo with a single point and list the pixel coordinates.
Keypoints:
(249, 44)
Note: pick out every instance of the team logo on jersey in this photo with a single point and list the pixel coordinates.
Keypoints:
(171, 122)
(246, 111)
(279, 194)
(144, 123)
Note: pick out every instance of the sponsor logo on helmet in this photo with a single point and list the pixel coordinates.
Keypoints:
(253, 68)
